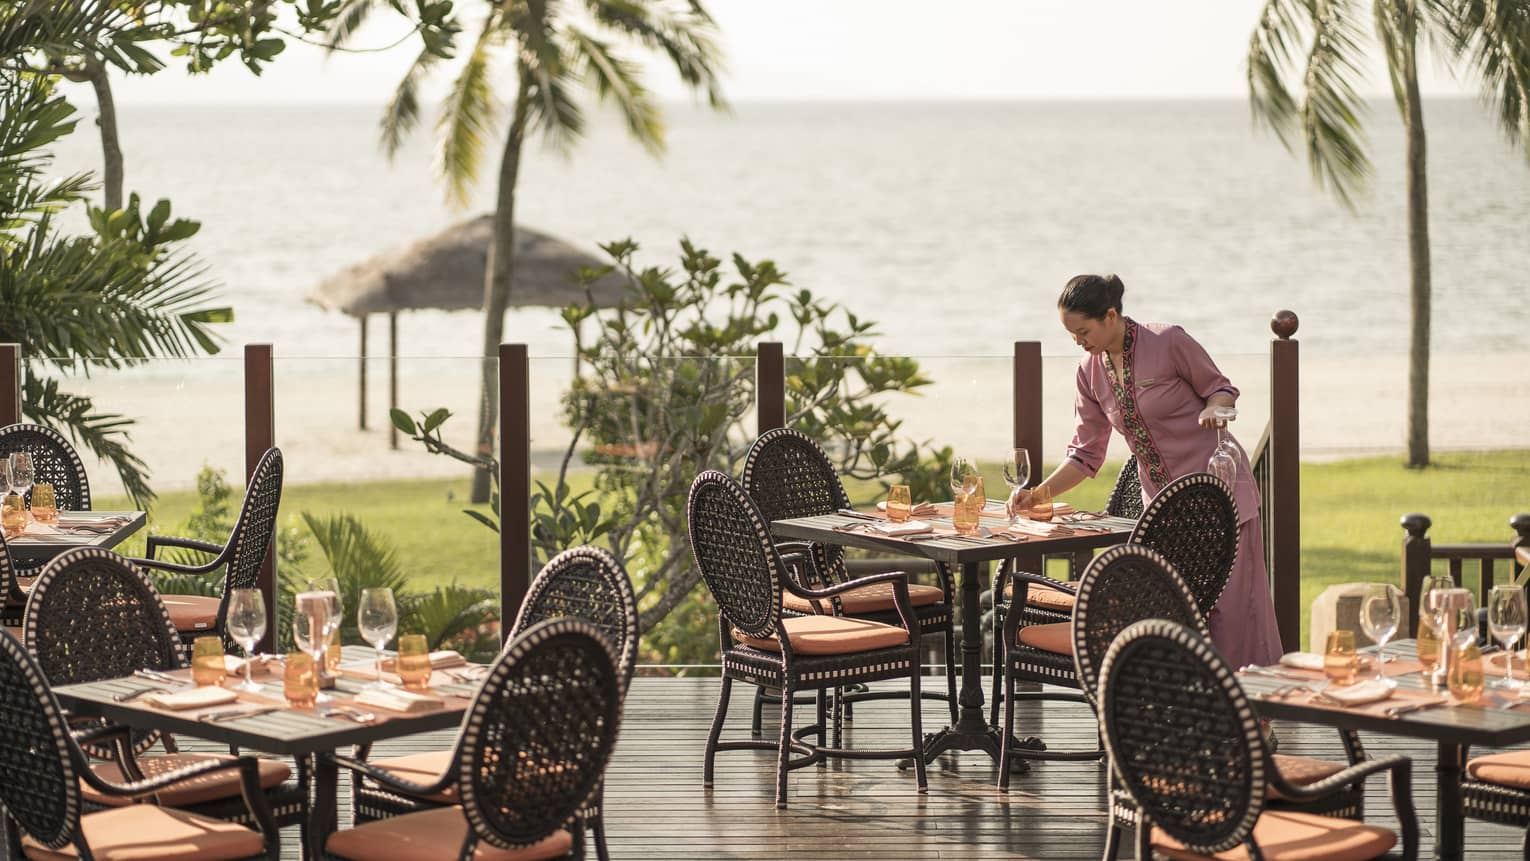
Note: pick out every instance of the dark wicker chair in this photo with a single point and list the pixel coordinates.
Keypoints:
(43, 809)
(93, 616)
(1193, 523)
(787, 475)
(55, 462)
(14, 599)
(1495, 789)
(1045, 603)
(532, 749)
(1187, 750)
(239, 560)
(762, 647)
(583, 582)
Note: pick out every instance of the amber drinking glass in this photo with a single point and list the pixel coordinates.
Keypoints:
(899, 503)
(1464, 675)
(13, 517)
(1040, 506)
(300, 682)
(44, 503)
(414, 661)
(1340, 662)
(207, 661)
(964, 515)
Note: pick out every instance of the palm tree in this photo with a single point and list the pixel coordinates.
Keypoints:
(557, 49)
(1487, 39)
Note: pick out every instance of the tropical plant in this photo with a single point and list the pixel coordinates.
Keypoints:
(118, 296)
(558, 50)
(1486, 39)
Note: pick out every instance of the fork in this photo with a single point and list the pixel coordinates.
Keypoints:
(129, 697)
(349, 714)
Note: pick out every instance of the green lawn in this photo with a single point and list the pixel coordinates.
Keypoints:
(1350, 512)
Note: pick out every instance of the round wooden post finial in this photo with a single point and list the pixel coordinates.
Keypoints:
(1416, 524)
(1284, 323)
(1520, 523)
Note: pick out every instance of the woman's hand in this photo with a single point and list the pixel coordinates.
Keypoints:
(1208, 417)
(1019, 500)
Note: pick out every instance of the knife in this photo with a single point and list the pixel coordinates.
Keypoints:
(859, 515)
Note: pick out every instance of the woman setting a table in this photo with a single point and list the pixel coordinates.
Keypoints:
(1159, 389)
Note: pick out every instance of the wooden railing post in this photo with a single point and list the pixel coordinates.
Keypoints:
(1520, 523)
(1285, 477)
(769, 386)
(1025, 420)
(1415, 562)
(259, 435)
(514, 482)
(10, 384)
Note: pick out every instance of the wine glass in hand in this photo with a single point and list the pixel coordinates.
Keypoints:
(1380, 614)
(246, 625)
(1506, 622)
(377, 618)
(1017, 471)
(21, 472)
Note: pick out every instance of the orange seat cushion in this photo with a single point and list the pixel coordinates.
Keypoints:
(1045, 597)
(1303, 770)
(1504, 769)
(1284, 835)
(192, 612)
(196, 790)
(875, 598)
(830, 635)
(433, 835)
(1056, 637)
(144, 832)
(421, 768)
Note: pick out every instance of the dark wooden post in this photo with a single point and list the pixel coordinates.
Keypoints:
(769, 386)
(1285, 477)
(514, 482)
(361, 368)
(1025, 421)
(259, 435)
(1520, 523)
(1415, 562)
(392, 377)
(10, 384)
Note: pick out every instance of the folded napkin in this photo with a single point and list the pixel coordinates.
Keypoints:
(399, 700)
(194, 698)
(907, 527)
(1495, 662)
(1369, 691)
(86, 518)
(438, 661)
(1033, 527)
(233, 665)
(919, 509)
(1302, 661)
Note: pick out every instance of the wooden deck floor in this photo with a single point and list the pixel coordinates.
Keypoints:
(658, 809)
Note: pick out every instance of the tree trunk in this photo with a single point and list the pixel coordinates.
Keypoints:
(496, 287)
(1419, 287)
(111, 147)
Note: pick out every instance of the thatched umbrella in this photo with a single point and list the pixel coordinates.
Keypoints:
(446, 272)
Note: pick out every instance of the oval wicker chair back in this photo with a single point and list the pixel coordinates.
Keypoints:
(250, 540)
(539, 734)
(54, 461)
(586, 583)
(10, 591)
(1182, 737)
(1126, 496)
(1124, 585)
(1193, 523)
(787, 474)
(40, 791)
(734, 552)
(93, 615)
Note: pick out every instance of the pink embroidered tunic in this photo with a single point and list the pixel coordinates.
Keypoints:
(1167, 377)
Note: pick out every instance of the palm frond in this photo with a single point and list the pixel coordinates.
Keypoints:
(1397, 32)
(353, 13)
(1269, 63)
(618, 82)
(103, 434)
(55, 26)
(685, 33)
(468, 118)
(553, 108)
(1493, 38)
(402, 114)
(1331, 109)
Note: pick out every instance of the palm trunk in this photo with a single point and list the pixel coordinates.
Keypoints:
(111, 147)
(1419, 287)
(496, 287)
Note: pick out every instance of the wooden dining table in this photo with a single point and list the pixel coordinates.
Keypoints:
(971, 554)
(272, 726)
(38, 544)
(1453, 728)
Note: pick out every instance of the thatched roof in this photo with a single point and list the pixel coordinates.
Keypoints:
(446, 272)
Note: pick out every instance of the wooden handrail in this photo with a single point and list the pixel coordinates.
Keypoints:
(1419, 554)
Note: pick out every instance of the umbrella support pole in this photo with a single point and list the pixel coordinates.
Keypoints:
(361, 369)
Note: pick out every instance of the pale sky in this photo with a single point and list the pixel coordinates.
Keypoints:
(860, 49)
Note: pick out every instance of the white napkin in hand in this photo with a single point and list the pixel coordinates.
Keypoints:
(1302, 661)
(907, 527)
(195, 698)
(1368, 691)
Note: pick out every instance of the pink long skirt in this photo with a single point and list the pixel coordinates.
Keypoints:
(1243, 621)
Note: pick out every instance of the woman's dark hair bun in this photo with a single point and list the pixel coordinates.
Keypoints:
(1092, 295)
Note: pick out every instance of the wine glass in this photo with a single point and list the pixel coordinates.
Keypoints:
(329, 587)
(964, 476)
(1017, 470)
(1507, 614)
(377, 619)
(311, 626)
(5, 477)
(246, 625)
(1380, 614)
(21, 472)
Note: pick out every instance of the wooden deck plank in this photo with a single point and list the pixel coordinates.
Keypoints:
(657, 807)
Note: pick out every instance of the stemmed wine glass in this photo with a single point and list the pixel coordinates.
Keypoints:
(1380, 614)
(21, 472)
(310, 625)
(964, 476)
(1507, 614)
(377, 618)
(1017, 470)
(1224, 463)
(329, 588)
(247, 624)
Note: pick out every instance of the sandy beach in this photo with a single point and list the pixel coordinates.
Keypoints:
(191, 413)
